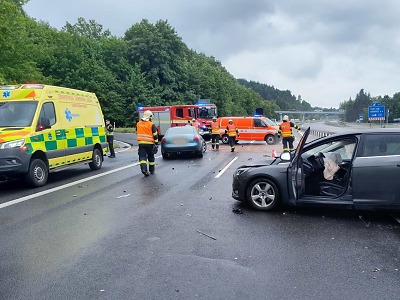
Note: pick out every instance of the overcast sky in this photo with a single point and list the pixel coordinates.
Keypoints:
(324, 50)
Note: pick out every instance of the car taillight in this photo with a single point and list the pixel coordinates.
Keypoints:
(196, 138)
(163, 140)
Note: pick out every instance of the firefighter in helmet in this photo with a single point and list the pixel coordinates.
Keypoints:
(285, 130)
(215, 133)
(232, 132)
(195, 124)
(147, 137)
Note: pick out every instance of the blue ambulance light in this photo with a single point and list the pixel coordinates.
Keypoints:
(257, 115)
(140, 108)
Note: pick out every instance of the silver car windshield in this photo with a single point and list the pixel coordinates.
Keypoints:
(17, 113)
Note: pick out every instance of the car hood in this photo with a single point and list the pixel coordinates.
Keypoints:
(269, 161)
(13, 133)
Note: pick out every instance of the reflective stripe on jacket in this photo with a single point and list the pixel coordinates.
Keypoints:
(232, 130)
(214, 128)
(145, 132)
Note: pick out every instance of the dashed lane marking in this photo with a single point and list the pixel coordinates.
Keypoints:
(226, 167)
(22, 199)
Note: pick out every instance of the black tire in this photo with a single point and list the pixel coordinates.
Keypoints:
(97, 160)
(38, 173)
(263, 194)
(270, 139)
(199, 154)
(225, 139)
(164, 155)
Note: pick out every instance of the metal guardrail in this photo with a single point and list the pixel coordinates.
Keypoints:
(320, 134)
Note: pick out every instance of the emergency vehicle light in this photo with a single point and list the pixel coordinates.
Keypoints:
(33, 86)
(9, 87)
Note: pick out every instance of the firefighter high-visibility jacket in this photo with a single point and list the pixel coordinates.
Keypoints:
(195, 125)
(231, 130)
(146, 132)
(285, 129)
(215, 127)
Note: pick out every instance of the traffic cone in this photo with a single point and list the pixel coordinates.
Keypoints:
(273, 153)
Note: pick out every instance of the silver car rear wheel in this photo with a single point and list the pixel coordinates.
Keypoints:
(263, 194)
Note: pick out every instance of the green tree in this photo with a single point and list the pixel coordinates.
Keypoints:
(17, 58)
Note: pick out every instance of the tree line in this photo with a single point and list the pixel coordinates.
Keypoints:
(149, 65)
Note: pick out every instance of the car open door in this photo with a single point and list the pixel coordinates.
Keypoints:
(295, 171)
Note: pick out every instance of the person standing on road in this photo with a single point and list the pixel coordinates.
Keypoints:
(110, 138)
(232, 132)
(195, 124)
(285, 130)
(147, 137)
(214, 133)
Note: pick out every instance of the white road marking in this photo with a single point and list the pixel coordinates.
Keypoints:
(19, 200)
(226, 167)
(397, 219)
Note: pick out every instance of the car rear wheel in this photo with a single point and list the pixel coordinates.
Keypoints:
(225, 139)
(270, 139)
(204, 149)
(263, 194)
(164, 155)
(38, 173)
(97, 160)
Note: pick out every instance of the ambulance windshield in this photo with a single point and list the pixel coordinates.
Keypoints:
(17, 113)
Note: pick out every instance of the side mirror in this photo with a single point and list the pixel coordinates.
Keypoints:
(285, 156)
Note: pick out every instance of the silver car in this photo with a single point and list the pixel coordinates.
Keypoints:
(182, 139)
(359, 169)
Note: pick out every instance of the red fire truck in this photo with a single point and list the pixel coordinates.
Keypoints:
(180, 115)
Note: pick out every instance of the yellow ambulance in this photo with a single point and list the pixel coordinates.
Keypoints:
(45, 127)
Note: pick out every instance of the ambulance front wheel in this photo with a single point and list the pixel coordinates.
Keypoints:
(97, 160)
(270, 139)
(225, 139)
(38, 173)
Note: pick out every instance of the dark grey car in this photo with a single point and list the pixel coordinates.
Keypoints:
(359, 169)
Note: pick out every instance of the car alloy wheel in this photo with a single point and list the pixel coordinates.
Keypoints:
(263, 194)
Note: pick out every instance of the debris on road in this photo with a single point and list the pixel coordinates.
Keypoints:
(123, 196)
(237, 211)
(206, 235)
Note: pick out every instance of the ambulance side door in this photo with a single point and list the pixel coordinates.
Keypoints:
(50, 125)
(259, 130)
(245, 128)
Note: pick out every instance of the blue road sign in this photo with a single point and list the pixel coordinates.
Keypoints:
(376, 112)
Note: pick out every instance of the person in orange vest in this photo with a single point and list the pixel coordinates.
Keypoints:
(195, 124)
(147, 137)
(285, 130)
(232, 132)
(214, 133)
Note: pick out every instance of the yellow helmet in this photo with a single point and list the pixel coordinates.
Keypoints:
(147, 115)
(193, 120)
(230, 121)
(285, 118)
(214, 119)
